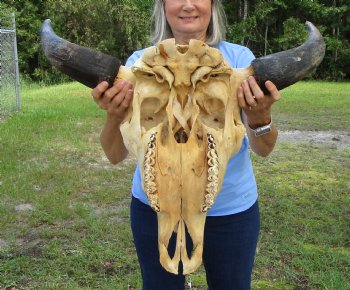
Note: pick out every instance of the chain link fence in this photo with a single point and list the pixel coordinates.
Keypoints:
(10, 99)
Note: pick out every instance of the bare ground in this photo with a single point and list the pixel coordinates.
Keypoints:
(334, 139)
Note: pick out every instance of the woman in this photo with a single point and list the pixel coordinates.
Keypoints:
(232, 226)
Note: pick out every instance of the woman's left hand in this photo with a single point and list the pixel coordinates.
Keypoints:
(256, 105)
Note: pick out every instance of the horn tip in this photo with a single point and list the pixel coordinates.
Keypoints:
(46, 22)
(45, 26)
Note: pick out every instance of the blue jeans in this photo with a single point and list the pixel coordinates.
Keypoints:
(228, 256)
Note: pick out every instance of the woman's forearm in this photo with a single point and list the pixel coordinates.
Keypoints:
(112, 141)
(264, 144)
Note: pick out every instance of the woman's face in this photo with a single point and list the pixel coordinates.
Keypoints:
(188, 19)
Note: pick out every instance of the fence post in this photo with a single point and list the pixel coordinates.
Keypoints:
(18, 85)
(10, 98)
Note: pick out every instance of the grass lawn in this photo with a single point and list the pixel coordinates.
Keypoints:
(64, 210)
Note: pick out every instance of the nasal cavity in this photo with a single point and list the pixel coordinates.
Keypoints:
(182, 48)
(181, 136)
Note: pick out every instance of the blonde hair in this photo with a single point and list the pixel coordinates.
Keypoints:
(161, 29)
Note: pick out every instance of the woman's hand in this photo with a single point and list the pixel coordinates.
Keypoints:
(115, 100)
(257, 106)
(257, 112)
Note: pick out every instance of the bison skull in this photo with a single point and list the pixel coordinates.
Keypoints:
(184, 127)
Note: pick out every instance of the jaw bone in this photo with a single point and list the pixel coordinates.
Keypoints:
(181, 181)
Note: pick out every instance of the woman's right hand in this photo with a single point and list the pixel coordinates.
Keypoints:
(115, 100)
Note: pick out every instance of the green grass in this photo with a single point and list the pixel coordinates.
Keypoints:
(314, 106)
(305, 216)
(77, 234)
(8, 102)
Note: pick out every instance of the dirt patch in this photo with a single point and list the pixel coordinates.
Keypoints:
(102, 162)
(334, 139)
(3, 244)
(24, 207)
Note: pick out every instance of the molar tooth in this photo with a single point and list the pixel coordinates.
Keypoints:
(149, 174)
(213, 174)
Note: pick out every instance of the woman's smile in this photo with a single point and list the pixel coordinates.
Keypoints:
(188, 18)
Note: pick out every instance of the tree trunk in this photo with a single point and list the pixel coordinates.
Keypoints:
(336, 50)
(265, 36)
(244, 15)
(239, 10)
(245, 9)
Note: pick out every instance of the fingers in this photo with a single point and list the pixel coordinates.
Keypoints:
(274, 92)
(115, 98)
(254, 89)
(98, 91)
(240, 98)
(123, 99)
(250, 95)
(118, 90)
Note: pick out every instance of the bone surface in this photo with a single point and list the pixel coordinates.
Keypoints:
(184, 127)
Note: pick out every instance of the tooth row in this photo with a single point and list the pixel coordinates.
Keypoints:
(213, 174)
(149, 173)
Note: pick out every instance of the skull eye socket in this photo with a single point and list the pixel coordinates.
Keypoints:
(213, 113)
(205, 78)
(209, 76)
(155, 75)
(159, 77)
(152, 113)
(214, 105)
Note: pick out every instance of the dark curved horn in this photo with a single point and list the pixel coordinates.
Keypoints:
(287, 67)
(85, 65)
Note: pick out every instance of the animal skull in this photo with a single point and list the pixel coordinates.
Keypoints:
(184, 123)
(184, 127)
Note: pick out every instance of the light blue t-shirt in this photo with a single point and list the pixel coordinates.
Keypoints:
(239, 189)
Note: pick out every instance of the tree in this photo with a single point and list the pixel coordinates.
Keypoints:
(118, 27)
(28, 14)
(273, 25)
(5, 11)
